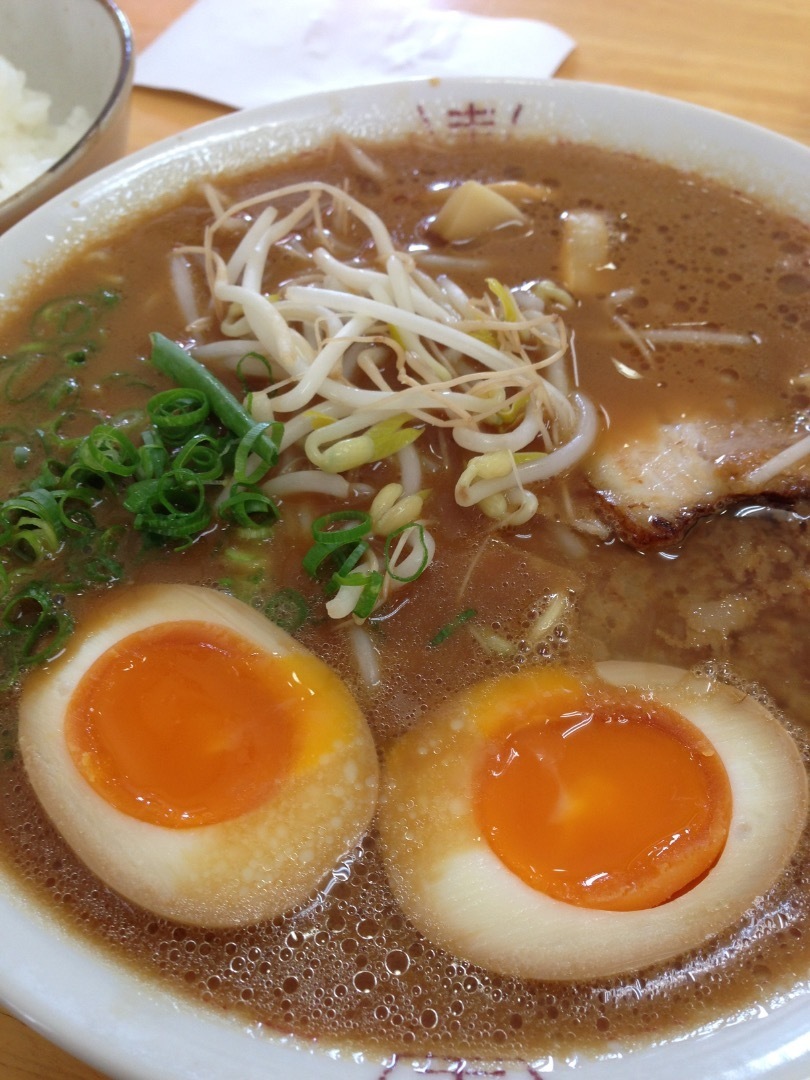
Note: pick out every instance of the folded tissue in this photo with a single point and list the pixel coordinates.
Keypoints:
(250, 52)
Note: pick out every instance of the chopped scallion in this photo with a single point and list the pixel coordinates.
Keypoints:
(288, 609)
(177, 413)
(168, 357)
(450, 628)
(392, 537)
(248, 507)
(325, 532)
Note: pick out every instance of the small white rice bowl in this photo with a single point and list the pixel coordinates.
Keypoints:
(66, 69)
(29, 141)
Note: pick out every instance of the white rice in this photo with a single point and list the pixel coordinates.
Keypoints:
(29, 143)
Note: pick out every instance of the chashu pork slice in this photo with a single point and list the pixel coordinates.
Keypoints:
(654, 486)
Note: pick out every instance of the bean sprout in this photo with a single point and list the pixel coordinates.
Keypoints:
(364, 350)
(763, 474)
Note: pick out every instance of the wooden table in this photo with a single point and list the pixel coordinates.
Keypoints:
(746, 57)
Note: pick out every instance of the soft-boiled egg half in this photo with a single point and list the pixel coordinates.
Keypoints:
(197, 758)
(554, 825)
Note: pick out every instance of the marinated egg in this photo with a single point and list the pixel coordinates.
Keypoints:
(197, 758)
(553, 825)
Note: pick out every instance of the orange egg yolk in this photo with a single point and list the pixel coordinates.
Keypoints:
(186, 723)
(621, 806)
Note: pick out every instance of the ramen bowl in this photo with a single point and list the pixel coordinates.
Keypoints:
(123, 1020)
(78, 53)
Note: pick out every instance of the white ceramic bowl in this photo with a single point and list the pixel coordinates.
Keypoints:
(79, 52)
(124, 1025)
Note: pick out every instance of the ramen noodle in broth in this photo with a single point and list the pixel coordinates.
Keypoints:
(664, 327)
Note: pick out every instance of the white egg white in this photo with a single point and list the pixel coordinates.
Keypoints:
(249, 868)
(455, 889)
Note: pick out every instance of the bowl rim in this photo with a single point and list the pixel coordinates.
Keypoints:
(15, 204)
(65, 1003)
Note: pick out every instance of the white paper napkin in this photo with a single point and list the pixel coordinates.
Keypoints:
(250, 52)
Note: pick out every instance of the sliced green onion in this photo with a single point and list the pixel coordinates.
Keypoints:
(371, 590)
(250, 443)
(168, 357)
(172, 506)
(153, 457)
(179, 413)
(109, 539)
(164, 483)
(243, 379)
(450, 628)
(107, 450)
(316, 557)
(101, 569)
(425, 554)
(38, 625)
(28, 376)
(74, 512)
(77, 355)
(31, 524)
(324, 533)
(77, 475)
(50, 474)
(371, 580)
(59, 390)
(288, 609)
(349, 557)
(69, 317)
(248, 507)
(202, 455)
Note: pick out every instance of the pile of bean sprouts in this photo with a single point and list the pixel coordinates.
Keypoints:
(365, 351)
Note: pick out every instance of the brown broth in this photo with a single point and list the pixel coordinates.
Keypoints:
(348, 969)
